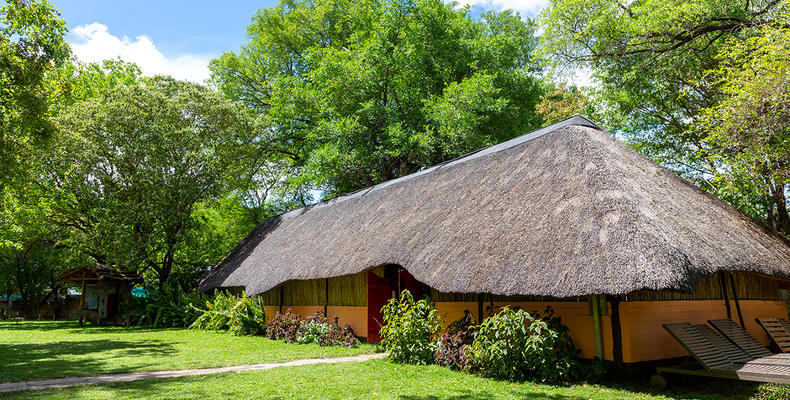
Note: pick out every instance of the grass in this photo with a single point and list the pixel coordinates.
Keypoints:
(378, 379)
(42, 350)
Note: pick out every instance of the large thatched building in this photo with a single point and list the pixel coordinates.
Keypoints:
(564, 216)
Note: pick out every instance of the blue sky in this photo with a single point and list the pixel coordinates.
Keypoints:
(179, 38)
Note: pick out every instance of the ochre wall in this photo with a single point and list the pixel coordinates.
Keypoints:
(354, 316)
(645, 339)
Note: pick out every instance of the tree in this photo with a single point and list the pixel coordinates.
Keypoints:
(31, 47)
(32, 251)
(359, 92)
(650, 58)
(750, 127)
(560, 102)
(134, 162)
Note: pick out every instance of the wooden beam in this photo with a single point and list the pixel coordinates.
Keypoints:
(596, 311)
(737, 303)
(617, 333)
(723, 283)
(82, 303)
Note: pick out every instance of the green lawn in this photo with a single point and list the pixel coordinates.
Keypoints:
(38, 350)
(41, 350)
(378, 379)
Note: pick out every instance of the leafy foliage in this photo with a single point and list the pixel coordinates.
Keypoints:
(169, 307)
(284, 326)
(452, 346)
(515, 345)
(31, 47)
(651, 61)
(749, 129)
(133, 165)
(313, 329)
(410, 329)
(240, 315)
(358, 92)
(337, 336)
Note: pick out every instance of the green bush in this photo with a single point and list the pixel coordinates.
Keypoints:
(515, 345)
(170, 307)
(313, 328)
(240, 315)
(410, 329)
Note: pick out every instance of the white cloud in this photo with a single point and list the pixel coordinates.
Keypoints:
(94, 43)
(524, 7)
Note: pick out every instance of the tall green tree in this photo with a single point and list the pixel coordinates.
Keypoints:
(133, 164)
(650, 58)
(359, 92)
(749, 128)
(31, 47)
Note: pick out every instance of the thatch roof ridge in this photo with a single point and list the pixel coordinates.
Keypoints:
(568, 214)
(577, 120)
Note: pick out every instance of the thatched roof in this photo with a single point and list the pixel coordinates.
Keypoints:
(98, 272)
(563, 211)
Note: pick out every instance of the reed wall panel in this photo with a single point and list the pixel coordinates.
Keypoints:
(349, 290)
(748, 286)
(304, 293)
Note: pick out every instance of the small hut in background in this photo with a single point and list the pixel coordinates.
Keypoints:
(102, 289)
(565, 216)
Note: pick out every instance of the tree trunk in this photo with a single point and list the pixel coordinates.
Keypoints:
(167, 267)
(781, 217)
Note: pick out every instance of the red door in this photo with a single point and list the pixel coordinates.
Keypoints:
(379, 291)
(407, 281)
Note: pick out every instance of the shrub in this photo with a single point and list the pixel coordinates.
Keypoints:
(337, 336)
(451, 348)
(240, 315)
(312, 328)
(515, 345)
(170, 307)
(284, 326)
(409, 330)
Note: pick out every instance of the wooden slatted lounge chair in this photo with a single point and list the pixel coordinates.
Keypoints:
(720, 358)
(777, 332)
(740, 337)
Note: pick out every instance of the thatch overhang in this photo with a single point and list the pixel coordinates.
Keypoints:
(98, 272)
(563, 211)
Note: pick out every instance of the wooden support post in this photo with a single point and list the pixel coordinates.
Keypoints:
(480, 308)
(596, 311)
(281, 298)
(82, 303)
(617, 333)
(723, 282)
(737, 303)
(326, 300)
(786, 297)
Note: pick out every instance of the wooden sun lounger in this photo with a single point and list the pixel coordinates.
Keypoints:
(740, 337)
(778, 332)
(720, 358)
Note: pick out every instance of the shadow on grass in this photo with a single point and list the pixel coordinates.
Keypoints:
(695, 388)
(480, 395)
(37, 325)
(75, 358)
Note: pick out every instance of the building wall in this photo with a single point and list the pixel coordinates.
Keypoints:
(345, 299)
(645, 339)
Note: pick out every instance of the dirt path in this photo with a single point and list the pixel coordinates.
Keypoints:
(134, 376)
